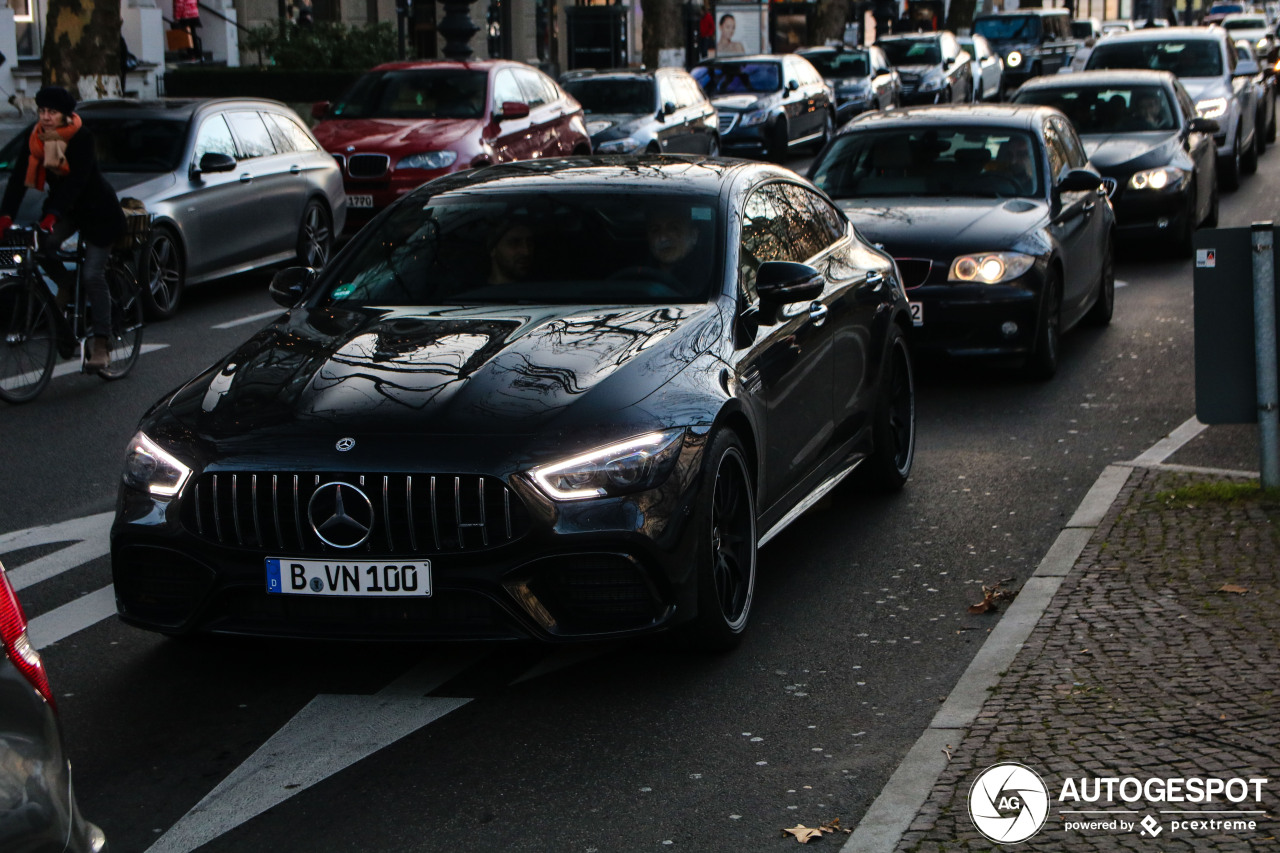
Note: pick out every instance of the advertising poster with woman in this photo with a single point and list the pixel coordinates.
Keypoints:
(741, 28)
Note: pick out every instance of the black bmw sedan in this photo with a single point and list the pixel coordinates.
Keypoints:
(1001, 228)
(1140, 128)
(555, 400)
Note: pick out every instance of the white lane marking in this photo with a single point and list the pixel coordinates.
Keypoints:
(328, 735)
(73, 366)
(86, 527)
(89, 535)
(563, 658)
(252, 318)
(62, 622)
(1172, 443)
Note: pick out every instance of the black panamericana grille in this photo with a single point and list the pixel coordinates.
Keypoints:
(368, 165)
(412, 513)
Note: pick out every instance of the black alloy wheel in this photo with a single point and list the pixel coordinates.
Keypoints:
(1229, 169)
(713, 146)
(1249, 158)
(894, 425)
(1104, 305)
(1042, 364)
(163, 274)
(1259, 134)
(727, 547)
(779, 141)
(828, 131)
(1182, 243)
(315, 236)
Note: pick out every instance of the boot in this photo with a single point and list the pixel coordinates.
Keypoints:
(99, 354)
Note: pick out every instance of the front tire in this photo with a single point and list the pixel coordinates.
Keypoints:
(726, 550)
(893, 429)
(1249, 159)
(1229, 169)
(1043, 362)
(28, 341)
(1104, 306)
(828, 131)
(163, 274)
(315, 236)
(779, 141)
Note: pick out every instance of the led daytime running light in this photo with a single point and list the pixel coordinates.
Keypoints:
(149, 466)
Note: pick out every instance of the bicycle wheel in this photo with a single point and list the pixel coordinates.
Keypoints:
(29, 345)
(126, 324)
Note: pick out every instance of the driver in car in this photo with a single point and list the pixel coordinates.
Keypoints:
(672, 238)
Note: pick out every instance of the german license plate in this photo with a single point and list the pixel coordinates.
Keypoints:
(917, 313)
(365, 579)
(359, 201)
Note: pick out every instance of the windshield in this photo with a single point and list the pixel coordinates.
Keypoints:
(1008, 28)
(136, 144)
(728, 78)
(942, 162)
(1082, 29)
(912, 51)
(834, 65)
(1246, 24)
(1124, 109)
(502, 248)
(1196, 58)
(416, 93)
(613, 95)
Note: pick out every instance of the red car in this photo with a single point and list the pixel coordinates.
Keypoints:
(405, 123)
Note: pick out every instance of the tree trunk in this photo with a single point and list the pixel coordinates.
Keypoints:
(82, 47)
(663, 28)
(960, 15)
(828, 22)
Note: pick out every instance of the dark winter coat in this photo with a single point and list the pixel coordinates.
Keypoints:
(82, 195)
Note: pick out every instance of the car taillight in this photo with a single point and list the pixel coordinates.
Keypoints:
(13, 632)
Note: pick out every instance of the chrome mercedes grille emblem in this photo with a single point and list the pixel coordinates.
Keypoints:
(341, 515)
(345, 444)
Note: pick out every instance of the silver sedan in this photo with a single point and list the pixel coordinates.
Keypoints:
(234, 184)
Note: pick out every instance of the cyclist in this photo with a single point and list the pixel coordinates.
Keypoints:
(58, 157)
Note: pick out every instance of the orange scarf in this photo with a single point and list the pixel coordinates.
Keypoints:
(49, 151)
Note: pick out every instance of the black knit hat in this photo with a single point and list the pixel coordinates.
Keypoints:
(56, 98)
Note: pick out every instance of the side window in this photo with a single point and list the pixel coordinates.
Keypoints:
(505, 88)
(668, 92)
(534, 92)
(283, 127)
(1185, 104)
(1232, 61)
(1076, 158)
(687, 92)
(828, 222)
(764, 235)
(214, 138)
(252, 134)
(1057, 153)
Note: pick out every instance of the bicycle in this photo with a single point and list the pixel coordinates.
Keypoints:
(35, 332)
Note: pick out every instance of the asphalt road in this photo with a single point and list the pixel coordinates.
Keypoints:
(859, 630)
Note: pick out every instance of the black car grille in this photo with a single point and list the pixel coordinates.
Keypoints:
(411, 513)
(368, 165)
(159, 585)
(594, 591)
(727, 122)
(915, 271)
(1111, 185)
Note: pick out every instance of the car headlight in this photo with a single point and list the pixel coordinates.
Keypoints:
(428, 160)
(634, 465)
(1212, 107)
(1263, 45)
(1014, 59)
(151, 468)
(625, 145)
(990, 267)
(755, 118)
(1166, 177)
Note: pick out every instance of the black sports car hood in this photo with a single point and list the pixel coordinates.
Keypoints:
(942, 227)
(1128, 152)
(459, 371)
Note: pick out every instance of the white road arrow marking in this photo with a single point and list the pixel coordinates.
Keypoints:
(88, 533)
(328, 735)
(62, 622)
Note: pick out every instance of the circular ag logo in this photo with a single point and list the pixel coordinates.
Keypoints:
(1008, 803)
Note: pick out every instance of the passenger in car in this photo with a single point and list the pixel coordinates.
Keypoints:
(511, 247)
(673, 236)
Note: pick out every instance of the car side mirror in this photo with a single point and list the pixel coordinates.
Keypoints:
(1204, 125)
(513, 110)
(792, 85)
(785, 282)
(948, 62)
(214, 161)
(290, 284)
(1079, 181)
(320, 109)
(668, 108)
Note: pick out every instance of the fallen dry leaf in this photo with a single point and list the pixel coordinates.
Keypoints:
(1232, 587)
(805, 834)
(833, 825)
(991, 595)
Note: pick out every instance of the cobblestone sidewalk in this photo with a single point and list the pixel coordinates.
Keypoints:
(1142, 666)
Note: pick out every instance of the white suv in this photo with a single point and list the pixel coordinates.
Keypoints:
(1204, 60)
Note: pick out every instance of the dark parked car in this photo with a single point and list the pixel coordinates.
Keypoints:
(662, 111)
(933, 67)
(861, 78)
(768, 104)
(554, 400)
(1264, 95)
(38, 810)
(234, 183)
(405, 123)
(1001, 228)
(1140, 128)
(1032, 41)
